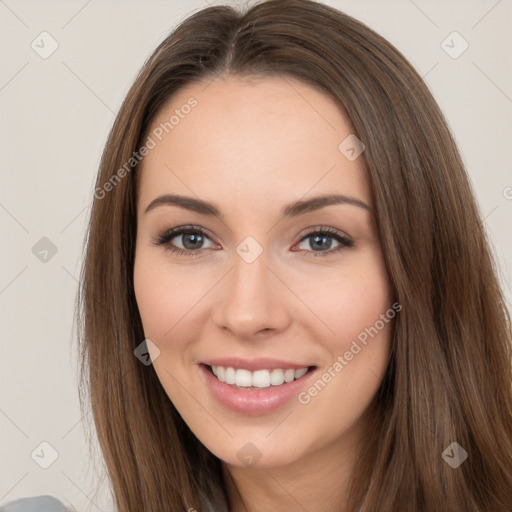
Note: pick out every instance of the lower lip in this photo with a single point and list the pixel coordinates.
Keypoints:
(253, 402)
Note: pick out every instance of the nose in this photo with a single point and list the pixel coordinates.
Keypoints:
(251, 300)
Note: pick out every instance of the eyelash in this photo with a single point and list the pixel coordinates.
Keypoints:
(165, 237)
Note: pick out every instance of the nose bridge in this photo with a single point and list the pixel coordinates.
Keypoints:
(250, 278)
(251, 298)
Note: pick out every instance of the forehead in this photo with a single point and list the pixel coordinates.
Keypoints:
(256, 140)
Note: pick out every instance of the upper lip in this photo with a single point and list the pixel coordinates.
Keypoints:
(262, 363)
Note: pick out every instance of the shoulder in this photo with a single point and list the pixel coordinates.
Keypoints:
(41, 503)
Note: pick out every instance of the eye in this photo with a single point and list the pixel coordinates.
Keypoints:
(321, 238)
(191, 239)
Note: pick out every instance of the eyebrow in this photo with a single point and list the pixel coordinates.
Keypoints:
(293, 209)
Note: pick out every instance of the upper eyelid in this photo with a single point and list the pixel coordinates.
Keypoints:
(181, 230)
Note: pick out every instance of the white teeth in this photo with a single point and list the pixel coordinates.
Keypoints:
(259, 379)
(243, 378)
(300, 373)
(289, 375)
(276, 377)
(230, 376)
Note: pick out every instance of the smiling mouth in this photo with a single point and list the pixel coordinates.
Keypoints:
(240, 378)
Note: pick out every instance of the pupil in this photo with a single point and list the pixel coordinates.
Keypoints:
(193, 237)
(318, 245)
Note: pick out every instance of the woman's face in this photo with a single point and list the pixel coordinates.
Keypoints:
(258, 288)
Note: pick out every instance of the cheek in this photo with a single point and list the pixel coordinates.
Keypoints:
(166, 298)
(171, 299)
(359, 312)
(161, 297)
(346, 299)
(350, 299)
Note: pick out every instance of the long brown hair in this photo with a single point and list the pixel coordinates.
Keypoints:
(450, 373)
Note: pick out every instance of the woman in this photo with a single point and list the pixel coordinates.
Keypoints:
(370, 374)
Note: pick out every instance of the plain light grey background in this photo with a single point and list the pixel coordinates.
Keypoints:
(56, 112)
